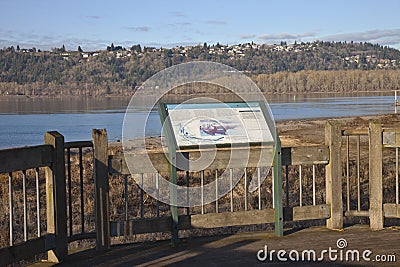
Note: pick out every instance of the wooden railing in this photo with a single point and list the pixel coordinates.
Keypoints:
(76, 193)
(49, 166)
(122, 208)
(223, 212)
(27, 163)
(391, 141)
(370, 201)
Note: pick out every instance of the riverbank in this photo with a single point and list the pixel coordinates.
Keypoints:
(294, 133)
(311, 132)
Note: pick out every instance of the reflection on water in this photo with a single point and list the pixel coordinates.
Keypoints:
(29, 105)
(25, 120)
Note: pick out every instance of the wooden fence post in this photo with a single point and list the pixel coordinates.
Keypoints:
(375, 175)
(100, 157)
(56, 198)
(333, 139)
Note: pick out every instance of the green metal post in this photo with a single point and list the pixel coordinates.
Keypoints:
(173, 197)
(172, 147)
(278, 210)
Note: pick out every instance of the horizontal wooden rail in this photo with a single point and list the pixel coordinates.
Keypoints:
(257, 157)
(305, 155)
(391, 210)
(304, 213)
(214, 220)
(391, 138)
(23, 158)
(205, 221)
(81, 236)
(357, 213)
(219, 159)
(78, 144)
(355, 132)
(26, 249)
(223, 219)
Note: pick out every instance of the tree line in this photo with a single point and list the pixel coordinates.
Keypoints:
(304, 67)
(328, 81)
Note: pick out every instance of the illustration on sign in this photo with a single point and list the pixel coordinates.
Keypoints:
(201, 124)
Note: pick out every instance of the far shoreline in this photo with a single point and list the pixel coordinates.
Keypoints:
(387, 92)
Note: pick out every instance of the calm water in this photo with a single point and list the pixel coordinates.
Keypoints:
(23, 121)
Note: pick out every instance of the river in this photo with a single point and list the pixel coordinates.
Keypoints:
(23, 121)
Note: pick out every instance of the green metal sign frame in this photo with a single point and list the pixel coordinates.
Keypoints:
(172, 157)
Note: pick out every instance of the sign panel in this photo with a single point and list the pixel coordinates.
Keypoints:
(219, 123)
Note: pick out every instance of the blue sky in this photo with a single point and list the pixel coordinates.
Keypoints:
(45, 24)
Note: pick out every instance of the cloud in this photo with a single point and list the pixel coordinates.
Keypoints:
(93, 17)
(216, 22)
(381, 36)
(183, 23)
(285, 36)
(247, 36)
(47, 42)
(89, 43)
(199, 32)
(139, 29)
(178, 14)
(180, 24)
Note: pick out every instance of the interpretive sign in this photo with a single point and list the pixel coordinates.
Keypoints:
(219, 123)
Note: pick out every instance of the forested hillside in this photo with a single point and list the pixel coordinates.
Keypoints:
(299, 67)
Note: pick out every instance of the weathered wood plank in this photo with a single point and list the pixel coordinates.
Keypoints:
(333, 170)
(305, 155)
(391, 210)
(355, 132)
(356, 213)
(306, 213)
(55, 198)
(310, 155)
(316, 212)
(141, 226)
(26, 249)
(78, 144)
(117, 165)
(375, 175)
(75, 237)
(214, 220)
(100, 157)
(220, 159)
(391, 138)
(23, 158)
(211, 220)
(141, 163)
(236, 157)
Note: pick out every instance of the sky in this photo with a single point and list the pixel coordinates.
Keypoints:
(93, 25)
